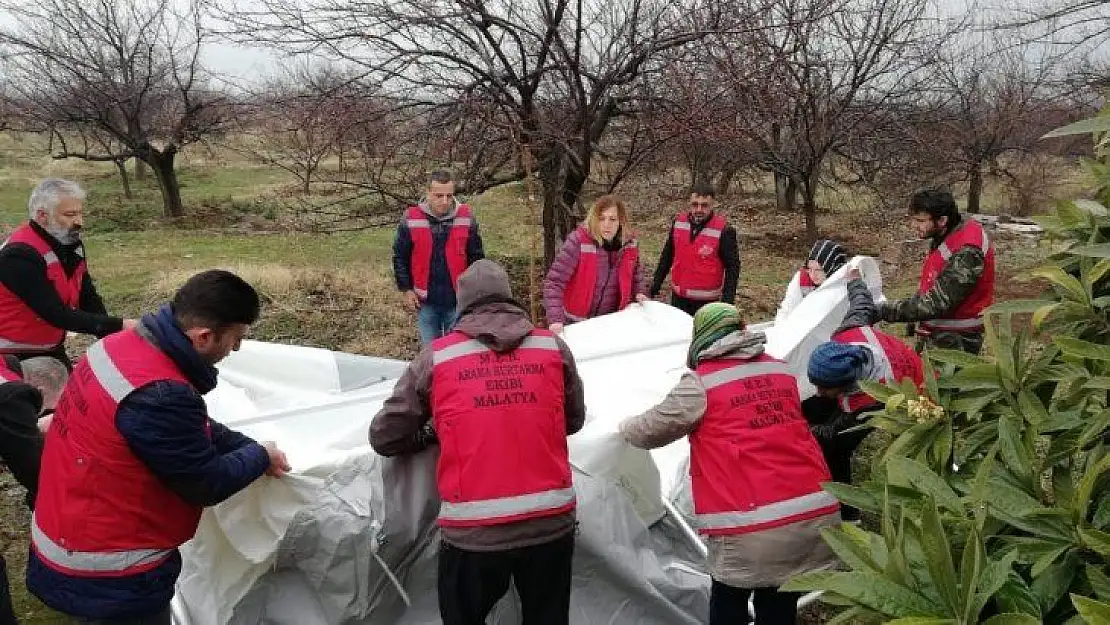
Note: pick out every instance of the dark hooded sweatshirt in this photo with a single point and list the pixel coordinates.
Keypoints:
(403, 425)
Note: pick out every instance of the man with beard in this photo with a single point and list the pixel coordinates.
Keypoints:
(702, 255)
(957, 279)
(45, 288)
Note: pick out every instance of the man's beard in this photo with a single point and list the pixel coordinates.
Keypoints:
(65, 236)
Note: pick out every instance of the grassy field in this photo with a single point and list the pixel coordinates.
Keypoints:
(336, 291)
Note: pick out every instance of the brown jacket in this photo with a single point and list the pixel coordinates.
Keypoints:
(758, 560)
(403, 426)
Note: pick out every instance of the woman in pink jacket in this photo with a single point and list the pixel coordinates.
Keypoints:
(598, 270)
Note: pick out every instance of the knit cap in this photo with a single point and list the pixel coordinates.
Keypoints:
(836, 365)
(829, 254)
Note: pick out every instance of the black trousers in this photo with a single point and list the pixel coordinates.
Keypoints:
(970, 342)
(688, 306)
(728, 605)
(838, 447)
(471, 582)
(7, 611)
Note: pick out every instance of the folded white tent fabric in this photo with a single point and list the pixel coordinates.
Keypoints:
(350, 537)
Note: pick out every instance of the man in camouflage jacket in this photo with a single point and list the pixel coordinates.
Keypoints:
(967, 273)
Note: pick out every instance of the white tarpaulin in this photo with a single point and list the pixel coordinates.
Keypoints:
(349, 537)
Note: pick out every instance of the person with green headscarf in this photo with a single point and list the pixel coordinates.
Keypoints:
(756, 470)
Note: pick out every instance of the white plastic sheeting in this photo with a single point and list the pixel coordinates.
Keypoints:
(349, 537)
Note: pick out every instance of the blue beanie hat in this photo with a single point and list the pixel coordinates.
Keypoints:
(835, 365)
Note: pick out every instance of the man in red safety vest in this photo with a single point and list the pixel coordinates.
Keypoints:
(45, 286)
(132, 459)
(500, 396)
(957, 278)
(702, 254)
(436, 241)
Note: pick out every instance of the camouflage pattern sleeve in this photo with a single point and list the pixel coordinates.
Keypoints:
(953, 285)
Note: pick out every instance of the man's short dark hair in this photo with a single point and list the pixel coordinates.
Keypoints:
(215, 299)
(936, 202)
(441, 176)
(703, 189)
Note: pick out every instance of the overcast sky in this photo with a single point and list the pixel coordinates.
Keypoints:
(242, 63)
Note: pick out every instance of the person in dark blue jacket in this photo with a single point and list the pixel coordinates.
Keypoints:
(424, 265)
(197, 462)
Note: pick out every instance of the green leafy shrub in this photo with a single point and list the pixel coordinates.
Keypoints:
(993, 496)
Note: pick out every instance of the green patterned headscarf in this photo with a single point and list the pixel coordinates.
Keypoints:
(712, 323)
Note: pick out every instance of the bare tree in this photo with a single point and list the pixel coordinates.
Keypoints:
(127, 72)
(546, 77)
(300, 120)
(988, 98)
(1072, 23)
(802, 83)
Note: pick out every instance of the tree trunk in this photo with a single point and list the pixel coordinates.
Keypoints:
(700, 171)
(724, 181)
(121, 165)
(162, 163)
(140, 169)
(809, 208)
(786, 192)
(974, 187)
(560, 197)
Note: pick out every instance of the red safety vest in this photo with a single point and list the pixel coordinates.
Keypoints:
(579, 295)
(502, 431)
(697, 272)
(100, 511)
(422, 243)
(21, 329)
(967, 317)
(895, 359)
(7, 374)
(754, 464)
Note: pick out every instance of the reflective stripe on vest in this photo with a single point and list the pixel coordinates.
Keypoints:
(106, 372)
(5, 344)
(506, 506)
(700, 294)
(474, 346)
(92, 562)
(769, 513)
(985, 245)
(743, 370)
(709, 232)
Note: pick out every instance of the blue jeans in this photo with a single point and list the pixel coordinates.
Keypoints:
(434, 321)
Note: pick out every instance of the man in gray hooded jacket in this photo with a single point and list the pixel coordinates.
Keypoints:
(503, 396)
